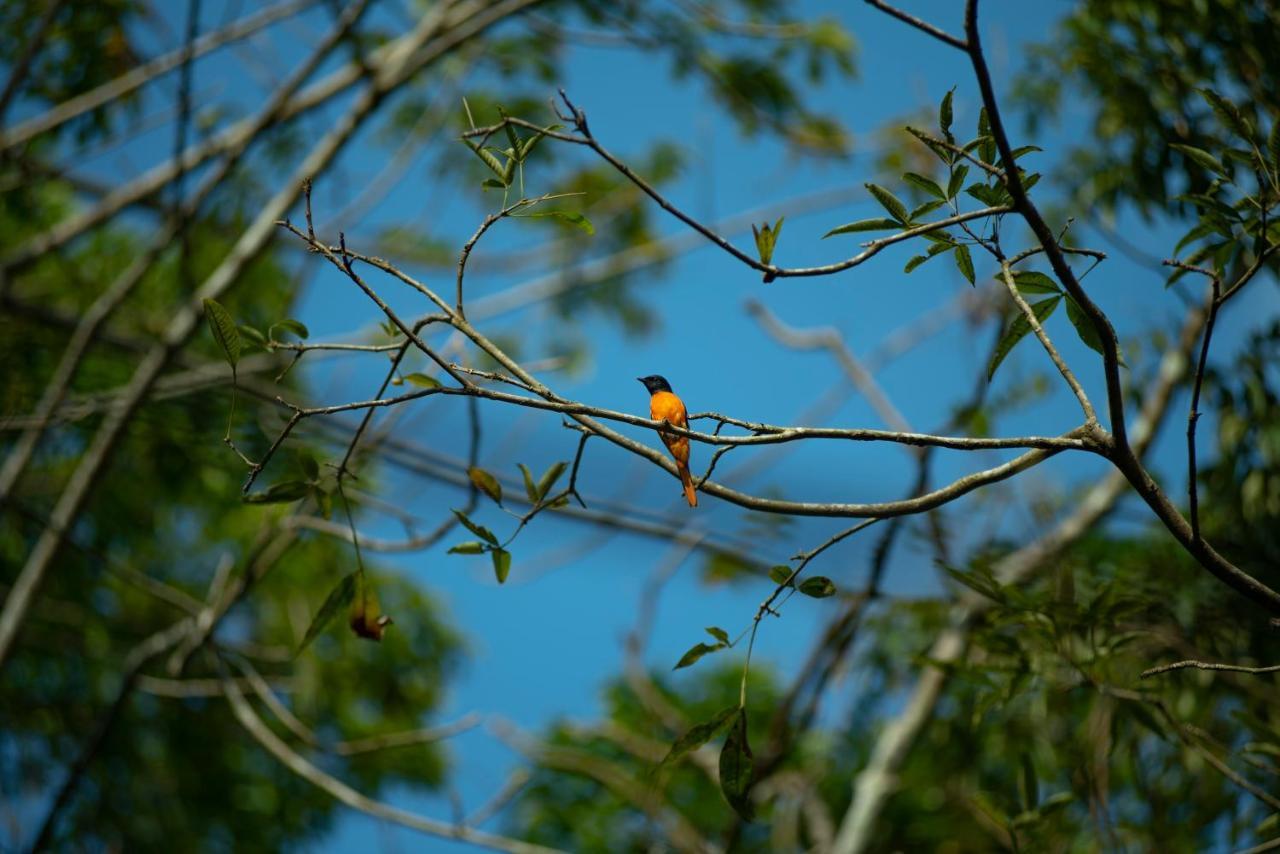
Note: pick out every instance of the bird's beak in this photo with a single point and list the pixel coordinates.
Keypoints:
(639, 379)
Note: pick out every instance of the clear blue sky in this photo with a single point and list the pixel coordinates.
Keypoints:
(541, 647)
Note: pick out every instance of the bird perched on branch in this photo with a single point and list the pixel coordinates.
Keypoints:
(665, 406)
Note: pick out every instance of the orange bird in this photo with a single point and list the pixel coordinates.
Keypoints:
(665, 406)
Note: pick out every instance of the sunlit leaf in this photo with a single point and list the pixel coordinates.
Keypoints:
(1202, 157)
(486, 483)
(501, 564)
(422, 380)
(719, 634)
(470, 547)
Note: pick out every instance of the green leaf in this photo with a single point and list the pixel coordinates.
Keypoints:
(698, 736)
(766, 239)
(1032, 282)
(1273, 145)
(737, 767)
(979, 582)
(696, 652)
(986, 142)
(819, 587)
(944, 113)
(253, 335)
(489, 160)
(529, 143)
(549, 478)
(1030, 787)
(1017, 330)
(294, 326)
(780, 573)
(335, 603)
(926, 208)
(501, 564)
(1025, 149)
(914, 261)
(566, 216)
(964, 262)
(486, 483)
(1202, 157)
(890, 202)
(878, 224)
(529, 488)
(309, 466)
(479, 530)
(224, 331)
(422, 380)
(1229, 114)
(1084, 328)
(927, 185)
(957, 180)
(470, 547)
(719, 634)
(281, 493)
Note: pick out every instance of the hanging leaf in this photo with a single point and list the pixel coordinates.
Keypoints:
(819, 587)
(1085, 329)
(486, 483)
(1273, 146)
(339, 598)
(964, 262)
(877, 224)
(957, 180)
(501, 564)
(737, 767)
(698, 736)
(224, 331)
(1017, 330)
(890, 202)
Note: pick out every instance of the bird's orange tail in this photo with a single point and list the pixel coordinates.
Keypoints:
(689, 494)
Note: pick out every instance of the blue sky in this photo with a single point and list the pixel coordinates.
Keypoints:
(542, 646)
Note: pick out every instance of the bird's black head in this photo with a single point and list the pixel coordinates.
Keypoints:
(655, 383)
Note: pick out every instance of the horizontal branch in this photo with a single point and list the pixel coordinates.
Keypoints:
(1209, 665)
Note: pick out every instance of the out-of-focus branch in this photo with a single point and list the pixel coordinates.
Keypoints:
(294, 761)
(145, 73)
(878, 779)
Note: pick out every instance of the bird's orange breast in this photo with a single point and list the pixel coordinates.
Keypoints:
(666, 406)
